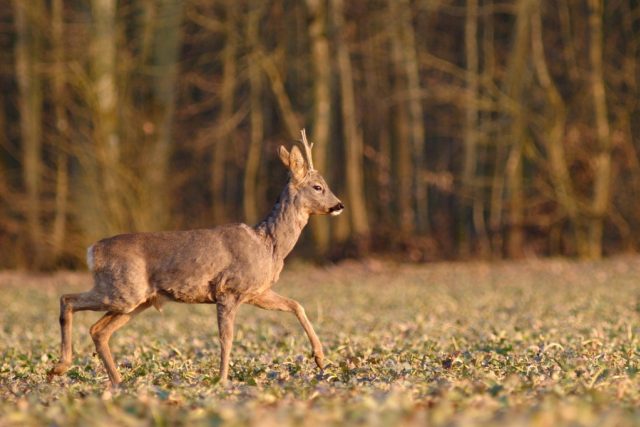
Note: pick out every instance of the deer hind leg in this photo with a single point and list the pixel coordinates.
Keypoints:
(69, 304)
(272, 301)
(101, 332)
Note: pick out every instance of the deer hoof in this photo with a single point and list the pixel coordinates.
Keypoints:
(114, 388)
(319, 361)
(58, 369)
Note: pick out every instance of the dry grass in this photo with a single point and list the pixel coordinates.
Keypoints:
(534, 343)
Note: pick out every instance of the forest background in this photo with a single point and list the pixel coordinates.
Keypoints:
(451, 129)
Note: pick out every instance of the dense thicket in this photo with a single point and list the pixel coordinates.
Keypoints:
(450, 129)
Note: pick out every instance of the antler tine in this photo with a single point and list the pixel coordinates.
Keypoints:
(307, 148)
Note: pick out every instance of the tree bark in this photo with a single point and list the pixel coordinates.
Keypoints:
(560, 176)
(376, 81)
(289, 117)
(602, 172)
(321, 62)
(58, 233)
(564, 14)
(470, 158)
(515, 83)
(357, 208)
(471, 107)
(256, 116)
(404, 164)
(28, 51)
(416, 114)
(166, 54)
(106, 135)
(229, 82)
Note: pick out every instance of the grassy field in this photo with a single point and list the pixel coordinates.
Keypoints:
(534, 343)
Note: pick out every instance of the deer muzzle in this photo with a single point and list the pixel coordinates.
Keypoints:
(337, 209)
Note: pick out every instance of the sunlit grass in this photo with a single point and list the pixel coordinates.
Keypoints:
(533, 343)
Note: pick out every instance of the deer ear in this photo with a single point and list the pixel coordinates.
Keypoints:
(297, 165)
(284, 156)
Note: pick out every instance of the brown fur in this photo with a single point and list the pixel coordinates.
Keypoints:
(228, 266)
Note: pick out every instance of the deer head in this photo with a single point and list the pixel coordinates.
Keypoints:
(311, 190)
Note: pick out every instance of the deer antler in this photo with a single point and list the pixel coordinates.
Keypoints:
(307, 148)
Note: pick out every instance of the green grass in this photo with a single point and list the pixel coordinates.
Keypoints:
(533, 343)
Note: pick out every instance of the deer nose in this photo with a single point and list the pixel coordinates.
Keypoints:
(337, 209)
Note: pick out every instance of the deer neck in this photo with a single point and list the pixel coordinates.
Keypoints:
(282, 227)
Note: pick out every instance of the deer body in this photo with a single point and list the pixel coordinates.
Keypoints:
(227, 266)
(194, 266)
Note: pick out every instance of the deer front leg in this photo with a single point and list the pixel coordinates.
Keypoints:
(226, 317)
(272, 301)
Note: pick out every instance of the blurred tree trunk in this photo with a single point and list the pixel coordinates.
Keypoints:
(106, 135)
(496, 202)
(416, 115)
(147, 29)
(483, 192)
(356, 206)
(256, 115)
(228, 90)
(321, 62)
(58, 234)
(470, 159)
(289, 117)
(564, 14)
(401, 117)
(515, 82)
(376, 81)
(166, 54)
(554, 138)
(6, 207)
(29, 50)
(602, 161)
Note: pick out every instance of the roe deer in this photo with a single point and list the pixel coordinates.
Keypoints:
(227, 266)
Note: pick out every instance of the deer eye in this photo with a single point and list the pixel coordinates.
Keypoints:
(317, 187)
